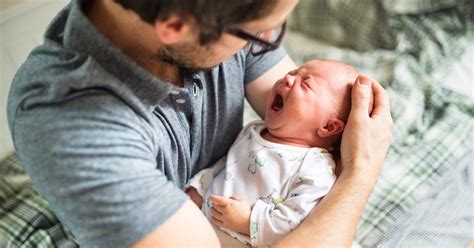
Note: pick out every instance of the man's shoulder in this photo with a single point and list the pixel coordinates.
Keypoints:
(50, 69)
(51, 57)
(64, 80)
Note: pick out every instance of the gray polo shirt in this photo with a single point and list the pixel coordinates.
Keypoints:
(107, 144)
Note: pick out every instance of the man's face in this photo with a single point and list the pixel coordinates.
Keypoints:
(193, 56)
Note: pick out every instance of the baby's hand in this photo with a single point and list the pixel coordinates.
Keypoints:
(195, 196)
(231, 213)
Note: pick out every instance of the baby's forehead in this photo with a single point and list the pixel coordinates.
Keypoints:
(336, 75)
(338, 78)
(328, 66)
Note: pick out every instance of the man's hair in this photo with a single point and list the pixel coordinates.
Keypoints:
(212, 16)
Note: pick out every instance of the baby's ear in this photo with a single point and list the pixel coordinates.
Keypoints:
(333, 126)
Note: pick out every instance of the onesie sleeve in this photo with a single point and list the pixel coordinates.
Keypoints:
(269, 222)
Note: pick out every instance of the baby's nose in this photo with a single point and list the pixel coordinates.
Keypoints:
(289, 80)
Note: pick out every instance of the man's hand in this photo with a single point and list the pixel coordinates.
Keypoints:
(366, 139)
(195, 196)
(231, 213)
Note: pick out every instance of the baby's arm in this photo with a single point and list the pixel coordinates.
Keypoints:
(270, 221)
(267, 222)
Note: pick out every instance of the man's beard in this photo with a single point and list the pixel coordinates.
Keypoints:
(180, 56)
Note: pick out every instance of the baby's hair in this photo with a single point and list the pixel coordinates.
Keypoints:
(343, 103)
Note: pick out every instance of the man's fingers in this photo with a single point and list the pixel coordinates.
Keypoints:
(361, 95)
(219, 200)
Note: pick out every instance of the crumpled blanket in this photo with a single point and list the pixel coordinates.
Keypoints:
(25, 219)
(444, 218)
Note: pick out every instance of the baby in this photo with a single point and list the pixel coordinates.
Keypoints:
(276, 171)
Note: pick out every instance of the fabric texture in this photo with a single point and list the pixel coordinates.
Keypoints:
(444, 218)
(104, 141)
(25, 218)
(282, 183)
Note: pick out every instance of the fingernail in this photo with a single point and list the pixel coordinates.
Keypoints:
(364, 82)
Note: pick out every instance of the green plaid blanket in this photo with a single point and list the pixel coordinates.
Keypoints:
(407, 45)
(25, 219)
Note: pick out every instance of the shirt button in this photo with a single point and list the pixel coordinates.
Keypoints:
(180, 101)
(195, 89)
(174, 92)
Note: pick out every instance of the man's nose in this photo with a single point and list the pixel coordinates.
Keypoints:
(267, 35)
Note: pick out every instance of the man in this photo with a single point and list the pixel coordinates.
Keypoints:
(128, 99)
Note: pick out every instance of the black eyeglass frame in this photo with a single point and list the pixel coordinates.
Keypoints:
(252, 38)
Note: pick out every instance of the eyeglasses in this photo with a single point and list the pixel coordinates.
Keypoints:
(260, 45)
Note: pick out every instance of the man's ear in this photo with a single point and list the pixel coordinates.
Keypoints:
(333, 126)
(172, 30)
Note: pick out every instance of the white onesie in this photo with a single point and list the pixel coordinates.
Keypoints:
(282, 183)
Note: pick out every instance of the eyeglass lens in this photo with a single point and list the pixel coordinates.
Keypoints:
(271, 36)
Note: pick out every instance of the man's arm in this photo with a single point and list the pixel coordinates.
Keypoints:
(188, 227)
(257, 91)
(364, 146)
(333, 221)
(267, 222)
(96, 167)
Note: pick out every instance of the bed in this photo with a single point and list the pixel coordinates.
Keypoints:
(422, 52)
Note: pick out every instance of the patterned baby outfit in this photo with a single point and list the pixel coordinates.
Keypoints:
(282, 183)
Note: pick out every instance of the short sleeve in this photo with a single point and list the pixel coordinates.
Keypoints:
(94, 162)
(255, 66)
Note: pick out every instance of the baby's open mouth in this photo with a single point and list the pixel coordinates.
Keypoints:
(277, 103)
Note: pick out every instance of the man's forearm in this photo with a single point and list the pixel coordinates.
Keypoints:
(333, 221)
(186, 228)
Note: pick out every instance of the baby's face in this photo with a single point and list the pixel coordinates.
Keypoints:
(304, 99)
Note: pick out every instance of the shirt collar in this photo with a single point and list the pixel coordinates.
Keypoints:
(80, 35)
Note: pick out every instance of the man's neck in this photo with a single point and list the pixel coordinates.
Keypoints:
(133, 36)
